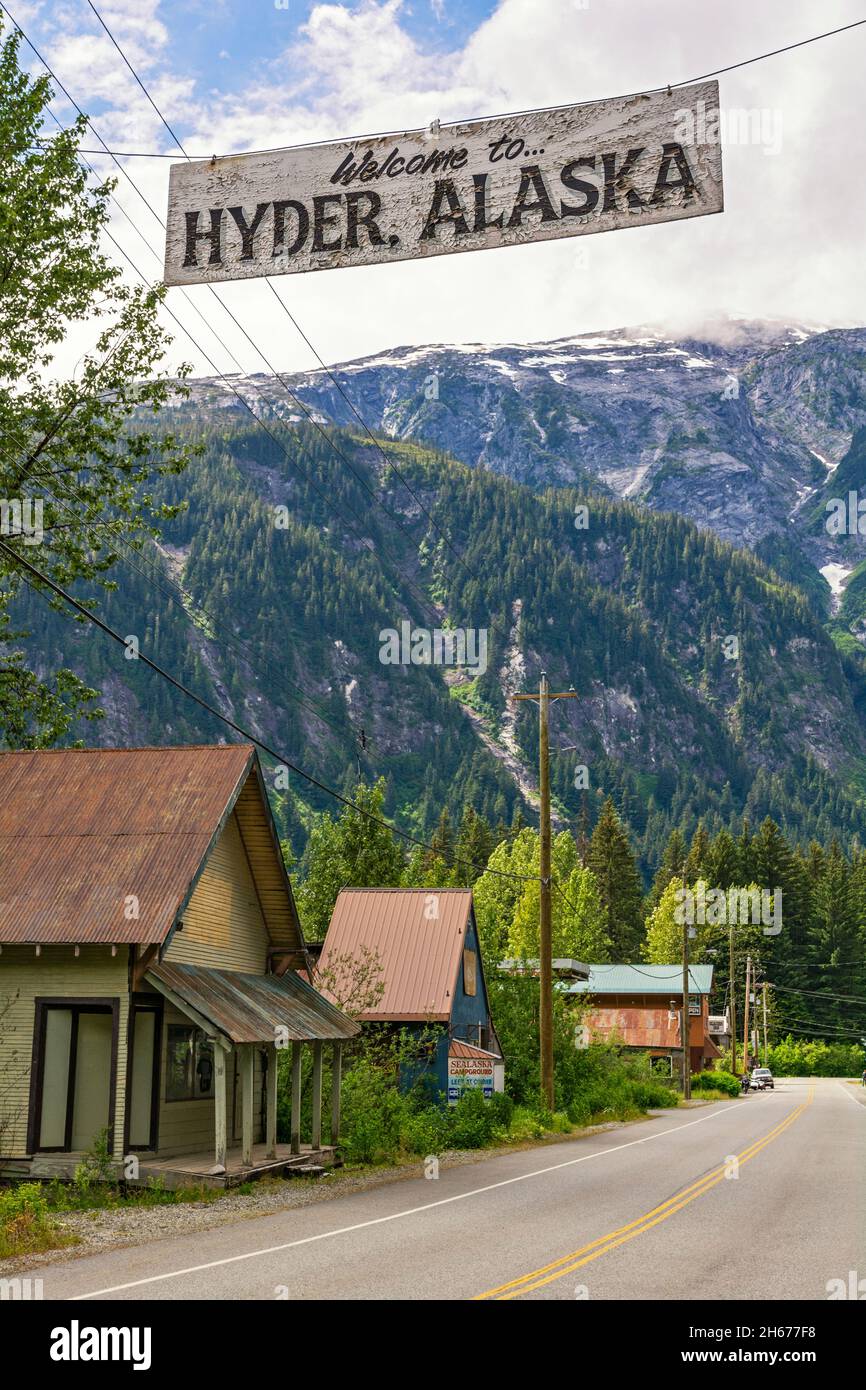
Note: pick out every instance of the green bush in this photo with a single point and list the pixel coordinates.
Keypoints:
(525, 1124)
(800, 1057)
(24, 1221)
(426, 1131)
(716, 1081)
(473, 1122)
(502, 1109)
(650, 1094)
(373, 1111)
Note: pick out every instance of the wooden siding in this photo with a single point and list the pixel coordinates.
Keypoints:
(187, 1126)
(57, 972)
(223, 924)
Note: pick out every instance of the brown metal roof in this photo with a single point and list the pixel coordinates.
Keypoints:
(458, 1048)
(419, 953)
(250, 1008)
(82, 830)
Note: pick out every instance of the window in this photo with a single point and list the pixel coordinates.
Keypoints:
(469, 985)
(189, 1064)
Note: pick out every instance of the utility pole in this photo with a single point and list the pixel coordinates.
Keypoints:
(687, 1067)
(545, 1010)
(746, 1017)
(765, 1023)
(733, 1001)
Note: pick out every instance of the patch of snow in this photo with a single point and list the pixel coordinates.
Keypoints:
(830, 467)
(836, 576)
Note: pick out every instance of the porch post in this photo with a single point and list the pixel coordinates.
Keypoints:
(317, 1094)
(271, 1123)
(335, 1091)
(247, 1062)
(219, 1077)
(296, 1097)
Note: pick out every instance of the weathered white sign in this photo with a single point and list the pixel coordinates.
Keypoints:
(568, 172)
(469, 1073)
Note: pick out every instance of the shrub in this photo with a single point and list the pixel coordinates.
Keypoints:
(373, 1111)
(650, 1094)
(716, 1081)
(425, 1131)
(24, 1221)
(473, 1121)
(802, 1057)
(501, 1108)
(525, 1124)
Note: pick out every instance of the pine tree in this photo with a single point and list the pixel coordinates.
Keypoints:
(671, 866)
(613, 863)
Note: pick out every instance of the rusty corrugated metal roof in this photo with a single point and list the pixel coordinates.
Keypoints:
(419, 953)
(85, 830)
(458, 1048)
(250, 1008)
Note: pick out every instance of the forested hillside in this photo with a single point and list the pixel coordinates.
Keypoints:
(708, 685)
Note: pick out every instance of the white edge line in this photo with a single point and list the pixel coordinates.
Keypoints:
(851, 1096)
(396, 1215)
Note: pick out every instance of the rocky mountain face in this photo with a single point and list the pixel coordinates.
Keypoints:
(740, 427)
(709, 685)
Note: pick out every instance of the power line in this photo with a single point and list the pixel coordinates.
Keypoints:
(388, 462)
(412, 588)
(296, 325)
(810, 1032)
(830, 1027)
(502, 115)
(231, 723)
(815, 994)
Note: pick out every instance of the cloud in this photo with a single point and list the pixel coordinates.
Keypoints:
(788, 244)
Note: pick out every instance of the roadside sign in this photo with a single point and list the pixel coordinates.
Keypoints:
(469, 1073)
(572, 171)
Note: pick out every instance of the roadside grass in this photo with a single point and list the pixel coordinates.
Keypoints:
(25, 1222)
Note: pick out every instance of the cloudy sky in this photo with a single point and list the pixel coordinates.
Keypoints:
(258, 73)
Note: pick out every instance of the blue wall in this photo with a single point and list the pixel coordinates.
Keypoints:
(467, 1012)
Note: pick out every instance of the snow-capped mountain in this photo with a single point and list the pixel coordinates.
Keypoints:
(739, 426)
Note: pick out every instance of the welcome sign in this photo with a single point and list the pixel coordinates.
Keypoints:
(572, 171)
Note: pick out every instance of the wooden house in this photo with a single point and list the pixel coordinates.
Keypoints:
(152, 967)
(428, 957)
(639, 1007)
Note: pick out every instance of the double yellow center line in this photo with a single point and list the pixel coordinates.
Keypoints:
(567, 1264)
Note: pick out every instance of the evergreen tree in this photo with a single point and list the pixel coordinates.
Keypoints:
(353, 851)
(613, 863)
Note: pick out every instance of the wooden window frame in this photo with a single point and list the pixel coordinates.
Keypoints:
(470, 953)
(78, 1005)
(145, 1003)
(194, 1029)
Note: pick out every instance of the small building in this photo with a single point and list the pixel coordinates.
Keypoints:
(426, 950)
(639, 1006)
(152, 967)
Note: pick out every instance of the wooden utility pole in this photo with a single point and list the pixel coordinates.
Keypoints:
(687, 1068)
(686, 1028)
(733, 1000)
(545, 1010)
(746, 1014)
(765, 1023)
(545, 935)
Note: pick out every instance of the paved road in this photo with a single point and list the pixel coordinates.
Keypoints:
(759, 1198)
